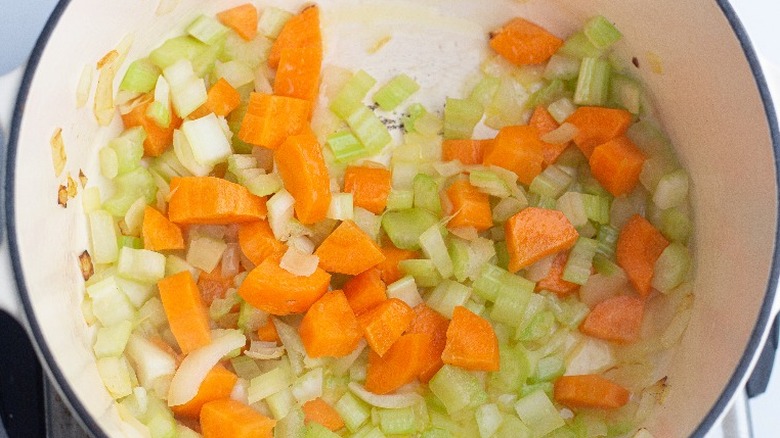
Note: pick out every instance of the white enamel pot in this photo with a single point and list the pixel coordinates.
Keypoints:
(711, 94)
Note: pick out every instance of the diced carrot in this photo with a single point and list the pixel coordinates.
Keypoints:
(158, 233)
(210, 200)
(278, 292)
(389, 267)
(554, 281)
(616, 165)
(222, 100)
(589, 391)
(617, 319)
(227, 418)
(348, 250)
(302, 167)
(519, 149)
(370, 187)
(470, 207)
(466, 151)
(471, 342)
(385, 323)
(158, 139)
(329, 327)
(535, 233)
(319, 411)
(545, 123)
(298, 74)
(213, 285)
(638, 247)
(187, 315)
(218, 384)
(242, 19)
(267, 332)
(523, 43)
(427, 320)
(597, 125)
(257, 241)
(270, 119)
(402, 363)
(302, 30)
(365, 290)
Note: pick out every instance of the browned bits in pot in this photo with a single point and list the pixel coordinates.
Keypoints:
(82, 178)
(85, 264)
(73, 189)
(108, 57)
(62, 196)
(58, 156)
(635, 61)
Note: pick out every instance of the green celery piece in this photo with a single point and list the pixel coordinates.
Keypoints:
(174, 49)
(538, 413)
(502, 254)
(457, 389)
(676, 225)
(353, 411)
(578, 266)
(345, 146)
(316, 430)
(579, 46)
(512, 427)
(404, 227)
(206, 29)
(626, 93)
(426, 193)
(129, 187)
(351, 95)
(423, 270)
(460, 117)
(548, 369)
(601, 33)
(549, 93)
(129, 149)
(395, 91)
(141, 76)
(593, 82)
(369, 129)
(397, 421)
(542, 325)
(510, 303)
(607, 240)
(671, 267)
(516, 365)
(485, 89)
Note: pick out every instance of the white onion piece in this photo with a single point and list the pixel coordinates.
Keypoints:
(149, 361)
(264, 350)
(231, 259)
(392, 401)
(302, 243)
(540, 269)
(343, 364)
(198, 363)
(599, 287)
(299, 263)
(166, 7)
(239, 392)
(465, 233)
(84, 86)
(565, 133)
(293, 343)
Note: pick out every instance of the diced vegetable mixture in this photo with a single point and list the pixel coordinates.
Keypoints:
(259, 274)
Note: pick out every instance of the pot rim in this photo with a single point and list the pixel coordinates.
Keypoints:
(90, 424)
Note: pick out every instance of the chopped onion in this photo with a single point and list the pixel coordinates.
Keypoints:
(103, 107)
(264, 350)
(540, 269)
(393, 401)
(299, 263)
(293, 343)
(280, 213)
(465, 233)
(599, 287)
(198, 363)
(565, 133)
(239, 392)
(302, 244)
(166, 7)
(231, 260)
(149, 361)
(343, 364)
(85, 84)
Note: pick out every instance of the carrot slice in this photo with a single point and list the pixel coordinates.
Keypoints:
(278, 292)
(429, 321)
(597, 125)
(589, 391)
(638, 247)
(210, 200)
(302, 168)
(222, 100)
(544, 122)
(385, 323)
(370, 187)
(523, 43)
(270, 119)
(302, 30)
(298, 73)
(242, 19)
(228, 418)
(158, 233)
(535, 233)
(348, 250)
(400, 365)
(257, 241)
(319, 411)
(158, 139)
(389, 267)
(466, 151)
(187, 315)
(617, 164)
(218, 384)
(471, 342)
(617, 319)
(470, 207)
(554, 281)
(267, 332)
(517, 148)
(213, 285)
(329, 327)
(365, 290)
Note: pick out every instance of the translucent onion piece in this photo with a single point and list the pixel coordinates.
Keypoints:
(393, 401)
(299, 263)
(565, 133)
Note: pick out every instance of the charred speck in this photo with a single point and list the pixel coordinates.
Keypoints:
(62, 196)
(635, 61)
(373, 106)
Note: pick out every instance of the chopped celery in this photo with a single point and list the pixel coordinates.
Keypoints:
(460, 117)
(489, 419)
(426, 193)
(400, 199)
(129, 187)
(252, 53)
(236, 73)
(671, 267)
(316, 430)
(580, 261)
(489, 182)
(207, 140)
(188, 92)
(397, 421)
(447, 295)
(604, 265)
(512, 427)
(395, 91)
(672, 190)
(130, 242)
(206, 29)
(549, 93)
(435, 248)
(625, 93)
(485, 90)
(404, 227)
(103, 236)
(593, 82)
(579, 45)
(308, 386)
(457, 389)
(548, 369)
(552, 182)
(542, 324)
(675, 225)
(345, 146)
(572, 204)
(272, 21)
(509, 105)
(423, 271)
(562, 67)
(115, 373)
(141, 76)
(268, 383)
(507, 208)
(369, 129)
(607, 240)
(111, 341)
(129, 149)
(109, 305)
(351, 95)
(493, 280)
(353, 411)
(516, 365)
(141, 265)
(596, 208)
(137, 293)
(176, 49)
(510, 303)
(160, 114)
(561, 109)
(280, 403)
(405, 289)
(538, 413)
(601, 33)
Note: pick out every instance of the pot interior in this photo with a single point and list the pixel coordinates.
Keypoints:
(701, 81)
